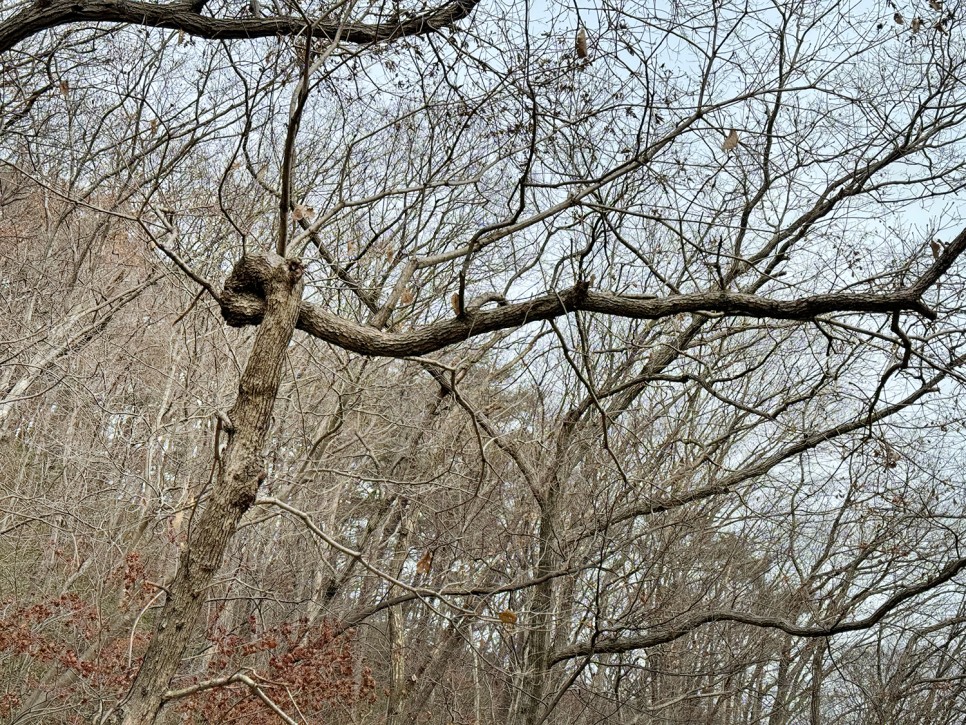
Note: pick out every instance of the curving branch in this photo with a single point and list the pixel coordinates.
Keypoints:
(617, 645)
(242, 305)
(230, 680)
(46, 14)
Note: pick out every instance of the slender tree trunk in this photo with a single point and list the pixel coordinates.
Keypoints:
(397, 633)
(815, 704)
(537, 658)
(433, 668)
(239, 476)
(779, 711)
(397, 666)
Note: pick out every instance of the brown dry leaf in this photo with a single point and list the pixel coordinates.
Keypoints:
(731, 142)
(180, 36)
(301, 212)
(898, 18)
(890, 459)
(936, 5)
(937, 248)
(154, 125)
(916, 25)
(507, 617)
(64, 88)
(454, 302)
(407, 297)
(581, 43)
(425, 563)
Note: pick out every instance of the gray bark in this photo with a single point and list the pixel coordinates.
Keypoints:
(239, 476)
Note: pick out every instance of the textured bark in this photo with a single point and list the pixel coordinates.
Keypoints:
(779, 713)
(247, 308)
(239, 476)
(537, 661)
(397, 635)
(815, 699)
(397, 665)
(186, 16)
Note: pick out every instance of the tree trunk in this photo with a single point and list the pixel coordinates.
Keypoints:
(239, 475)
(536, 661)
(431, 672)
(779, 711)
(397, 634)
(815, 703)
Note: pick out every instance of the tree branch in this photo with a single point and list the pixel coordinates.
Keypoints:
(242, 305)
(616, 645)
(182, 16)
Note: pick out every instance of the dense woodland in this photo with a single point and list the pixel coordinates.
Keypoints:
(482, 362)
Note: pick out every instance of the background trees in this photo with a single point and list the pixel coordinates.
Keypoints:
(586, 418)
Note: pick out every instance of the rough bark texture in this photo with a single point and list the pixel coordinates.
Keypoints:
(245, 305)
(238, 478)
(243, 308)
(537, 661)
(47, 14)
(397, 666)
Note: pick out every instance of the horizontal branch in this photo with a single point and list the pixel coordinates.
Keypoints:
(184, 16)
(242, 305)
(412, 592)
(224, 682)
(617, 645)
(358, 616)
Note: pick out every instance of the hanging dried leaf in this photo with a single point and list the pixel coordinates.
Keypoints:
(454, 302)
(407, 297)
(898, 18)
(581, 43)
(301, 212)
(64, 88)
(937, 248)
(890, 459)
(180, 36)
(425, 563)
(507, 617)
(936, 5)
(731, 142)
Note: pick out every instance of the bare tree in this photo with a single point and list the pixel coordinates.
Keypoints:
(524, 363)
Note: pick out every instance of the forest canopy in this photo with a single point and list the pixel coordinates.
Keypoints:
(482, 362)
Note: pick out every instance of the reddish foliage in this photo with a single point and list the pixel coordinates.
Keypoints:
(296, 666)
(137, 589)
(8, 703)
(67, 634)
(46, 634)
(306, 669)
